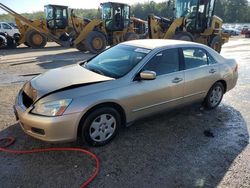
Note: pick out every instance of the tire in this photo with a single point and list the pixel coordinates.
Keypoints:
(94, 123)
(17, 37)
(216, 43)
(3, 41)
(214, 96)
(81, 47)
(35, 39)
(26, 44)
(95, 42)
(11, 43)
(131, 36)
(185, 36)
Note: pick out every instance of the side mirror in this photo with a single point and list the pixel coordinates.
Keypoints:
(147, 75)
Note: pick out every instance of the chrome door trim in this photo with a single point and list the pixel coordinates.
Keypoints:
(165, 102)
(191, 95)
(157, 104)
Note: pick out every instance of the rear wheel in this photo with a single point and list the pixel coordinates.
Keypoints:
(100, 126)
(216, 44)
(95, 42)
(214, 96)
(35, 39)
(184, 36)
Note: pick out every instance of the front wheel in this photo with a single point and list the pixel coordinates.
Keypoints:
(34, 39)
(95, 42)
(101, 126)
(214, 96)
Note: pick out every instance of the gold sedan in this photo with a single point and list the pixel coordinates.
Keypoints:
(93, 99)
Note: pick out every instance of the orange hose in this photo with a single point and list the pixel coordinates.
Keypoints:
(10, 140)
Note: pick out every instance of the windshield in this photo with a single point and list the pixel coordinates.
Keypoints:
(185, 7)
(117, 61)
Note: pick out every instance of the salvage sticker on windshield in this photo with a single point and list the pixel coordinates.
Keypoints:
(142, 50)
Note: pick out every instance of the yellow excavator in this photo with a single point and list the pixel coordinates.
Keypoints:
(194, 21)
(94, 35)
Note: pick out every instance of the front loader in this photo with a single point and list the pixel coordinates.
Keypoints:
(84, 34)
(194, 21)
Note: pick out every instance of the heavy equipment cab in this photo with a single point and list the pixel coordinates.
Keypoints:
(197, 13)
(116, 16)
(56, 16)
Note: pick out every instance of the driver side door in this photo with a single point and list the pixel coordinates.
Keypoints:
(166, 91)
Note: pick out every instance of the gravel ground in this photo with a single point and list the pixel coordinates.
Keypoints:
(187, 147)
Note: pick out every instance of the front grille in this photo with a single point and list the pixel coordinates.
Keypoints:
(27, 101)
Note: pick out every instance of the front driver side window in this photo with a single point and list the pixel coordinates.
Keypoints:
(164, 62)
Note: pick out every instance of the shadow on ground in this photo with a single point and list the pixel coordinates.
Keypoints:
(25, 49)
(167, 150)
(60, 60)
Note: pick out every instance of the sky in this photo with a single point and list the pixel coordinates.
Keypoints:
(22, 6)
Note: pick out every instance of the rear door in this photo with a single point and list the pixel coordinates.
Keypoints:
(199, 73)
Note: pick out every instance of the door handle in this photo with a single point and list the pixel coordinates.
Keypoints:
(177, 80)
(212, 71)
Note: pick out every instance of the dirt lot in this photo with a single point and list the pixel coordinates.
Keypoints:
(167, 150)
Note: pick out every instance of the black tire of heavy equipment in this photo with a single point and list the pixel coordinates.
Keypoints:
(216, 39)
(81, 47)
(89, 42)
(185, 36)
(26, 44)
(30, 42)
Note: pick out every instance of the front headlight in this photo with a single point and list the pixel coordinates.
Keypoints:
(53, 108)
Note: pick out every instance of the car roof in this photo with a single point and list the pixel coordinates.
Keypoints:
(158, 43)
(4, 22)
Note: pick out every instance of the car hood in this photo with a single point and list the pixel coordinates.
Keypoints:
(61, 78)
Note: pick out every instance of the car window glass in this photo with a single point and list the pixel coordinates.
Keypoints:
(164, 62)
(6, 26)
(0, 26)
(210, 59)
(117, 61)
(194, 57)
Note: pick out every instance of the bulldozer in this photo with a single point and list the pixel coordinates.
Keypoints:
(194, 20)
(67, 30)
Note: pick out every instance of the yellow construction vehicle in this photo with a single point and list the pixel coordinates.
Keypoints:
(84, 34)
(115, 26)
(194, 21)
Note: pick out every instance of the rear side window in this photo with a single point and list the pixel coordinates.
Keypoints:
(194, 57)
(164, 62)
(210, 59)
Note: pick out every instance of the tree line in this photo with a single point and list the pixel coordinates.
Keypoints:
(231, 11)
